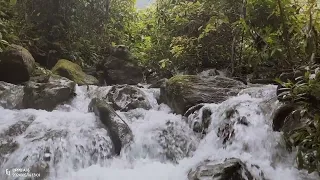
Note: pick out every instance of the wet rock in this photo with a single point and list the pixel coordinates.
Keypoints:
(41, 170)
(201, 118)
(176, 142)
(119, 132)
(11, 95)
(73, 72)
(17, 129)
(125, 98)
(280, 115)
(16, 65)
(230, 169)
(193, 109)
(226, 130)
(48, 94)
(7, 146)
(288, 117)
(119, 71)
(184, 91)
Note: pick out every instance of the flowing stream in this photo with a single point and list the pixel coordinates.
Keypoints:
(75, 145)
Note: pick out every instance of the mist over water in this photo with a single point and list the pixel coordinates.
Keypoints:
(80, 148)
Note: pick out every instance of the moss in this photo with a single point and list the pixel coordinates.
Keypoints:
(73, 72)
(179, 83)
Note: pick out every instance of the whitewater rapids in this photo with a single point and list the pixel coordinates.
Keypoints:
(80, 148)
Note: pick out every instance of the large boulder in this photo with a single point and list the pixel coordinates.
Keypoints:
(125, 98)
(119, 71)
(230, 169)
(16, 65)
(46, 95)
(11, 95)
(288, 118)
(184, 91)
(73, 72)
(119, 132)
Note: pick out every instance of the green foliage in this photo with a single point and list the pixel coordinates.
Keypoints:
(80, 30)
(253, 36)
(305, 93)
(6, 26)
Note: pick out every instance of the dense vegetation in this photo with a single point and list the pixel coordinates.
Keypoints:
(260, 38)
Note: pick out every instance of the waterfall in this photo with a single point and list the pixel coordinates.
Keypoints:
(70, 143)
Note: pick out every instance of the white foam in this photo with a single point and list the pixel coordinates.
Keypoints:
(255, 144)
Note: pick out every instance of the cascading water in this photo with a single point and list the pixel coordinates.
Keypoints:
(70, 143)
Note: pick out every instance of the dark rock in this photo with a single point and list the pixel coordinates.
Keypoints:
(7, 146)
(158, 83)
(11, 95)
(193, 109)
(119, 132)
(262, 81)
(230, 169)
(73, 72)
(41, 169)
(226, 129)
(16, 65)
(119, 71)
(47, 53)
(226, 132)
(243, 120)
(201, 118)
(184, 91)
(288, 118)
(206, 118)
(125, 98)
(280, 115)
(47, 95)
(90, 71)
(121, 52)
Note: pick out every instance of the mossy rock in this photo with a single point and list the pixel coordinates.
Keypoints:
(184, 91)
(73, 72)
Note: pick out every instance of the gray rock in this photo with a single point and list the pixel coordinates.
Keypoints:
(119, 71)
(119, 132)
(11, 96)
(230, 169)
(184, 91)
(49, 94)
(125, 98)
(226, 129)
(16, 65)
(176, 142)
